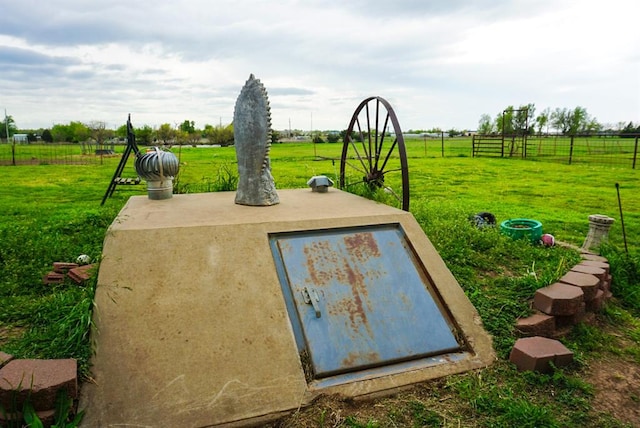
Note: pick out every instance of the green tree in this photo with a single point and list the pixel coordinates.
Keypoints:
(504, 121)
(121, 132)
(99, 132)
(630, 130)
(61, 133)
(182, 137)
(144, 135)
(454, 132)
(188, 126)
(354, 135)
(559, 120)
(522, 118)
(166, 133)
(574, 121)
(46, 136)
(593, 125)
(317, 138)
(542, 120)
(7, 125)
(79, 132)
(333, 137)
(221, 135)
(275, 136)
(485, 125)
(578, 119)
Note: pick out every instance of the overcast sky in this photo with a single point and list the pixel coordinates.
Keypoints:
(440, 63)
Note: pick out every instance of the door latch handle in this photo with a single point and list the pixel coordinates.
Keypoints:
(311, 298)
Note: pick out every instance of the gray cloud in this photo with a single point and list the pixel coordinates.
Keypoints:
(441, 63)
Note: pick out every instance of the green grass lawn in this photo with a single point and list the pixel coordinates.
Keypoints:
(52, 213)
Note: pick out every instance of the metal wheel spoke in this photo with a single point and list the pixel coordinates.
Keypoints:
(380, 169)
(389, 153)
(395, 195)
(355, 183)
(369, 136)
(355, 149)
(384, 133)
(364, 146)
(362, 170)
(391, 170)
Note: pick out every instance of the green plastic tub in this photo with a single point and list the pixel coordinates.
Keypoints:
(522, 228)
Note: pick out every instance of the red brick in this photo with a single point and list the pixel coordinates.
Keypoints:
(53, 278)
(586, 282)
(597, 303)
(558, 299)
(537, 354)
(537, 325)
(571, 320)
(40, 379)
(82, 273)
(5, 358)
(591, 256)
(595, 263)
(47, 417)
(62, 267)
(598, 272)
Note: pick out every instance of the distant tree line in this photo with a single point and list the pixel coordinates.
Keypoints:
(98, 133)
(510, 121)
(523, 120)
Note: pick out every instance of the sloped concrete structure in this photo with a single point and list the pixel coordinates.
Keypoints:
(193, 329)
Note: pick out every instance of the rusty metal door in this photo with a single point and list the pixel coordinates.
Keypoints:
(360, 299)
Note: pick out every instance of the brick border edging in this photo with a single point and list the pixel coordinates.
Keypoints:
(560, 306)
(576, 297)
(40, 380)
(36, 380)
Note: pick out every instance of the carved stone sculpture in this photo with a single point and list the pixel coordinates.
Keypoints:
(252, 134)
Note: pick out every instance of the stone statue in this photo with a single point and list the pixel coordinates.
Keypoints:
(252, 134)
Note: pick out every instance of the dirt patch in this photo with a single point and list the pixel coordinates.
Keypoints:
(617, 388)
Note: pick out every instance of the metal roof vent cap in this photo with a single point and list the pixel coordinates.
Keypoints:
(320, 183)
(158, 168)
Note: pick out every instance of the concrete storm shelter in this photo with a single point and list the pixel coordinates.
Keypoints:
(209, 312)
(234, 308)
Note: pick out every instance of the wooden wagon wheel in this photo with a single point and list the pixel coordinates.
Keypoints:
(374, 158)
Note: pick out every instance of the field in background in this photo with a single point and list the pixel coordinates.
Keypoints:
(561, 196)
(611, 151)
(51, 212)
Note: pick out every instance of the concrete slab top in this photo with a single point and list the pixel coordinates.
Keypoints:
(219, 209)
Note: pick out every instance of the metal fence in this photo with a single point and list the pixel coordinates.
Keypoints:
(615, 150)
(581, 149)
(53, 153)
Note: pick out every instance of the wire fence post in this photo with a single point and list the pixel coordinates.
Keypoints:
(635, 153)
(571, 150)
(442, 141)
